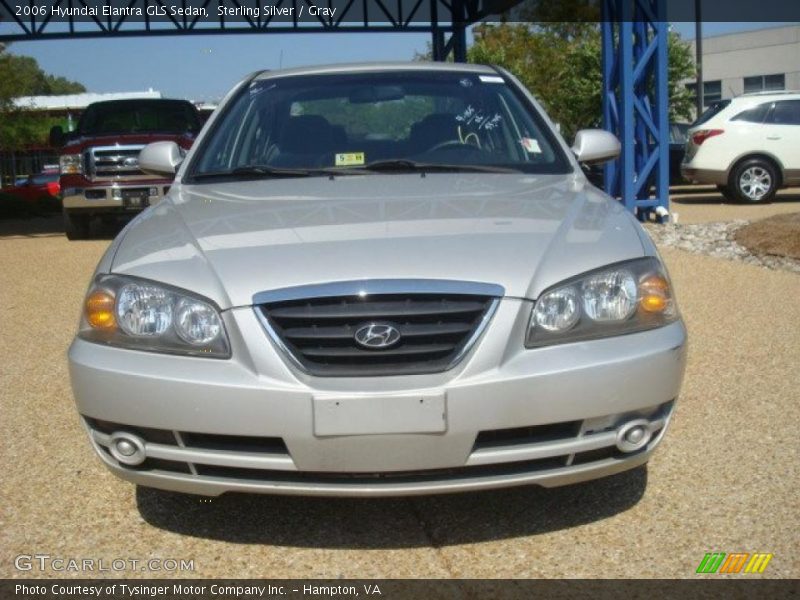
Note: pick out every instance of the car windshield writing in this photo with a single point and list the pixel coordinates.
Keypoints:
(415, 119)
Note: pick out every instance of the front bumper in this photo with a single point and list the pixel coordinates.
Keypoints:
(107, 197)
(547, 416)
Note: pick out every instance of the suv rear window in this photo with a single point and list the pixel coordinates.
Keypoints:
(713, 110)
(757, 114)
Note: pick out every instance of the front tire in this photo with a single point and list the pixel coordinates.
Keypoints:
(754, 181)
(76, 227)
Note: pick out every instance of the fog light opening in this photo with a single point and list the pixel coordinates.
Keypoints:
(634, 435)
(127, 448)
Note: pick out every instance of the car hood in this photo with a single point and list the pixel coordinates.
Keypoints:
(230, 241)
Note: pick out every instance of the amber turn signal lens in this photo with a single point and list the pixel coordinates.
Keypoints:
(655, 296)
(100, 310)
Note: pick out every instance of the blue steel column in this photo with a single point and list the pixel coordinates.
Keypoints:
(662, 103)
(627, 179)
(635, 102)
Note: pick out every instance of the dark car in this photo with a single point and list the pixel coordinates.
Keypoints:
(678, 133)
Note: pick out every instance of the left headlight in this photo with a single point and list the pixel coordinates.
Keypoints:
(619, 299)
(70, 164)
(143, 315)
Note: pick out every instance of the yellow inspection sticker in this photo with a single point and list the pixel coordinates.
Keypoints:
(349, 159)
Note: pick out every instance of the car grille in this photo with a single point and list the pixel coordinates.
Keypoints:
(113, 162)
(436, 330)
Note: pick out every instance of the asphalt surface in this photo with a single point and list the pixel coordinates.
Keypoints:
(725, 478)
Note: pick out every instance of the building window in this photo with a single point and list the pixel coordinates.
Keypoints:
(764, 83)
(712, 91)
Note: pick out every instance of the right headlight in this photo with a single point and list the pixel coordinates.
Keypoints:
(145, 315)
(618, 299)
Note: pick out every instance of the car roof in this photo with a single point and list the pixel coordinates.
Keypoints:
(770, 94)
(761, 97)
(737, 104)
(140, 102)
(380, 67)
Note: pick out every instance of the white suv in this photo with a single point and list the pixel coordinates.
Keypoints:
(748, 146)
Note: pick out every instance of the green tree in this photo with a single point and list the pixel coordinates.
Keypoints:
(563, 70)
(561, 63)
(681, 67)
(22, 76)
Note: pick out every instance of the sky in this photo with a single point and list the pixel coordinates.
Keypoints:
(204, 68)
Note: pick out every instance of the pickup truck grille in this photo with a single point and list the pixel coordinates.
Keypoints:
(320, 333)
(113, 162)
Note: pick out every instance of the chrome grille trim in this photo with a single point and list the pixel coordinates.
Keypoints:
(384, 299)
(107, 162)
(365, 287)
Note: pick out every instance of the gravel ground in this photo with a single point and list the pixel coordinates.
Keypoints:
(725, 478)
(716, 239)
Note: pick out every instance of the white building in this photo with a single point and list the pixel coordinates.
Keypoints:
(750, 61)
(70, 105)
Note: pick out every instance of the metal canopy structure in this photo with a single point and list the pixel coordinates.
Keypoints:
(445, 20)
(634, 34)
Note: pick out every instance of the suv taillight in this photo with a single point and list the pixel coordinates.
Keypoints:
(698, 137)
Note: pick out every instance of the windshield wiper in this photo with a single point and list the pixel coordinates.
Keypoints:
(404, 164)
(381, 166)
(254, 171)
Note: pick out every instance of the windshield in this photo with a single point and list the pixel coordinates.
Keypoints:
(378, 121)
(139, 116)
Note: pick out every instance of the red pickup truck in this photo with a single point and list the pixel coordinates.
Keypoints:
(99, 162)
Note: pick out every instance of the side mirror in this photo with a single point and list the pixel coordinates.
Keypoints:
(57, 137)
(595, 146)
(161, 158)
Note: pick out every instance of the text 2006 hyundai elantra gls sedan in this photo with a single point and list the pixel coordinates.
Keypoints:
(378, 280)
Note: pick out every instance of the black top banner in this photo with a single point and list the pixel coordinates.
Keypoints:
(34, 15)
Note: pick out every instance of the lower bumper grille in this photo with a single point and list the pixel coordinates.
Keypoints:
(496, 453)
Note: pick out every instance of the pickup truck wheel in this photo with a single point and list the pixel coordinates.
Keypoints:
(76, 226)
(754, 181)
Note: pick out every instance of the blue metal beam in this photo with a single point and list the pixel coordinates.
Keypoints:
(636, 103)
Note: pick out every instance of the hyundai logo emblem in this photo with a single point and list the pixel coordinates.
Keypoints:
(131, 161)
(377, 336)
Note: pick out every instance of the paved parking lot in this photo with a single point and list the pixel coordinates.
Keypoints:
(725, 479)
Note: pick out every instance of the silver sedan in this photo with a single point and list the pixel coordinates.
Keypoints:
(372, 280)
